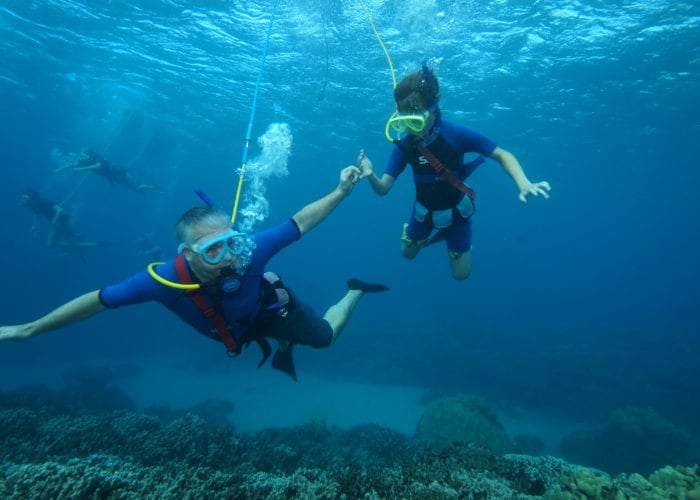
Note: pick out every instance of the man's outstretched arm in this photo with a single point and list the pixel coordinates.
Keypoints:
(71, 312)
(312, 214)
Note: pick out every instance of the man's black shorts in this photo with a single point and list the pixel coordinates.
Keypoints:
(301, 325)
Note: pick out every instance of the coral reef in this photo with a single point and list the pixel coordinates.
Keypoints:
(668, 482)
(214, 410)
(124, 454)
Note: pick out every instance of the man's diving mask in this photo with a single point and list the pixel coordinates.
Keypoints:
(215, 250)
(402, 123)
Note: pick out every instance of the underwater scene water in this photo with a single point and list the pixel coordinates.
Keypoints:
(566, 366)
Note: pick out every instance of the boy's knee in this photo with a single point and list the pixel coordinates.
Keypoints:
(461, 265)
(461, 274)
(409, 252)
(410, 247)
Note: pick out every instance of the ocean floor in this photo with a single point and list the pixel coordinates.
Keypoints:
(264, 398)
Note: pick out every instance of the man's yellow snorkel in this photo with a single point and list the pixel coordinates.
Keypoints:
(171, 284)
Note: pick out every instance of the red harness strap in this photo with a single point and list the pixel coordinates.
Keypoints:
(445, 172)
(215, 317)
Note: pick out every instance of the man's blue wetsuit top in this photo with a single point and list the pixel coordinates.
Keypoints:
(238, 308)
(432, 189)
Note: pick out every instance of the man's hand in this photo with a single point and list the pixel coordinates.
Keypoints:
(365, 166)
(349, 176)
(535, 189)
(15, 332)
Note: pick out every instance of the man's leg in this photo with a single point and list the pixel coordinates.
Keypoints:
(93, 166)
(338, 314)
(303, 326)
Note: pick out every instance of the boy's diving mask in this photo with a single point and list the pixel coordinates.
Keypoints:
(402, 123)
(215, 250)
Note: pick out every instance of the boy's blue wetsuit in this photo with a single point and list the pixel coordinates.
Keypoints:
(435, 196)
(250, 312)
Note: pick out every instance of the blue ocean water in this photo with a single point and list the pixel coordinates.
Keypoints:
(577, 305)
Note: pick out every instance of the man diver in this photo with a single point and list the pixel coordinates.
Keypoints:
(62, 234)
(88, 160)
(435, 149)
(218, 284)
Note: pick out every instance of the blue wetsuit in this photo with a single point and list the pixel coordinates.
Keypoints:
(433, 191)
(244, 310)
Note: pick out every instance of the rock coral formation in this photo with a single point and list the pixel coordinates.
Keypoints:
(632, 440)
(463, 418)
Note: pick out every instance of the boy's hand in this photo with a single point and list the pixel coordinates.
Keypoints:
(365, 166)
(535, 189)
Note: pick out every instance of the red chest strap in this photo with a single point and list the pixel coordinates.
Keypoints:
(215, 317)
(445, 172)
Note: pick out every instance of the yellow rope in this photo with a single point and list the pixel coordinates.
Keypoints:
(379, 39)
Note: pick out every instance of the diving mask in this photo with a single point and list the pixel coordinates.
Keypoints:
(402, 123)
(215, 250)
(414, 122)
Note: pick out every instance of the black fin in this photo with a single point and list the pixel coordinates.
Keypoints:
(265, 348)
(283, 361)
(355, 284)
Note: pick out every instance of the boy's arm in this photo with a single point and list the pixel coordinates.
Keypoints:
(381, 185)
(511, 165)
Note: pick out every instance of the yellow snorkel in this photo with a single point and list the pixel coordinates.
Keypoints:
(388, 127)
(171, 284)
(387, 132)
(398, 122)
